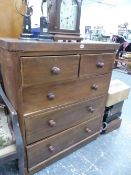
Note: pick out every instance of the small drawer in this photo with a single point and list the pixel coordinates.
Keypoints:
(38, 70)
(49, 96)
(45, 149)
(94, 64)
(46, 124)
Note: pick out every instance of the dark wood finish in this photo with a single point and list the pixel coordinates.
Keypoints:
(96, 63)
(114, 124)
(38, 70)
(54, 24)
(55, 48)
(63, 153)
(44, 125)
(37, 97)
(50, 85)
(45, 149)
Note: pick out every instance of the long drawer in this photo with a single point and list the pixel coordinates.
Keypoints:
(95, 64)
(51, 95)
(45, 149)
(52, 122)
(38, 70)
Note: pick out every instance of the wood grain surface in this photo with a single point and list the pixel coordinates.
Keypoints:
(10, 20)
(45, 149)
(38, 70)
(96, 64)
(37, 97)
(52, 122)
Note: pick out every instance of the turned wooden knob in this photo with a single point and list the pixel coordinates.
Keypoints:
(87, 130)
(51, 148)
(94, 86)
(52, 123)
(100, 64)
(91, 109)
(50, 96)
(55, 70)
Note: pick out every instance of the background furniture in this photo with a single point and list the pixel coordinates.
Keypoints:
(11, 143)
(59, 91)
(124, 63)
(10, 20)
(117, 93)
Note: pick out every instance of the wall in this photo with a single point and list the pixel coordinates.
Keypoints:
(110, 17)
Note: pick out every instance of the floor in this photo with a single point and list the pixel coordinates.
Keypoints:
(109, 154)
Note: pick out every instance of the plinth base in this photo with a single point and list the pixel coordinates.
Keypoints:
(47, 37)
(26, 36)
(67, 38)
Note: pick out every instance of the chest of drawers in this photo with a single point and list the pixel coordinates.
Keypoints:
(59, 91)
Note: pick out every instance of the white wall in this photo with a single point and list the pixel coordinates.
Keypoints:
(108, 16)
(37, 11)
(93, 14)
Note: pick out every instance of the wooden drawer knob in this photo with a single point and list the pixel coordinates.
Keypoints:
(52, 123)
(88, 130)
(94, 86)
(51, 148)
(55, 70)
(91, 109)
(100, 64)
(50, 96)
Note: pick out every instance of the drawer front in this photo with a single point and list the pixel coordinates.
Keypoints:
(37, 70)
(94, 64)
(45, 149)
(42, 97)
(49, 123)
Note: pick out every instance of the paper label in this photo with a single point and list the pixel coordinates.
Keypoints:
(82, 46)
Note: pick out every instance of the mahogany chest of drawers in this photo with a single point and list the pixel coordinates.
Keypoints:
(59, 91)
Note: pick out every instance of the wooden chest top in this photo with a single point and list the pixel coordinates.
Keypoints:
(34, 46)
